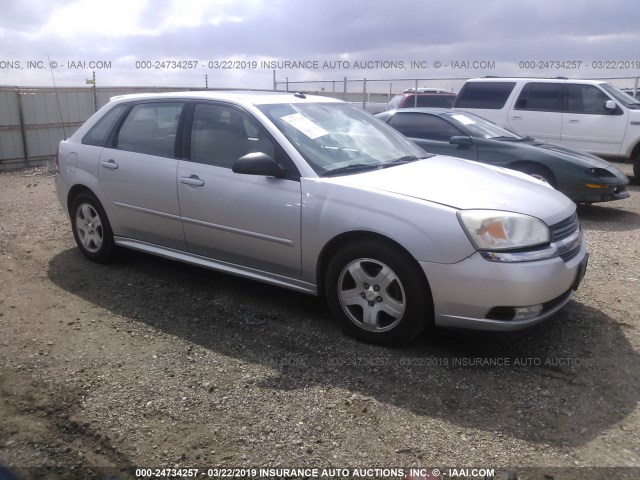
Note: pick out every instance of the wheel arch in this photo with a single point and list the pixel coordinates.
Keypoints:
(343, 239)
(635, 159)
(635, 153)
(74, 192)
(532, 163)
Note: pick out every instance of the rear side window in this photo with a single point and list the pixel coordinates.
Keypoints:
(151, 128)
(489, 95)
(541, 97)
(437, 100)
(423, 126)
(99, 133)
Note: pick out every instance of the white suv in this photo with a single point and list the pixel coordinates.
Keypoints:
(589, 115)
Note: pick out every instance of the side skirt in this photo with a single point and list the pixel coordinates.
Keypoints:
(233, 269)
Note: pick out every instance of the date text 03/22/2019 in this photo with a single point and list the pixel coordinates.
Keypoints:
(579, 65)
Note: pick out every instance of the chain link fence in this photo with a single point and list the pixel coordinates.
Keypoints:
(34, 120)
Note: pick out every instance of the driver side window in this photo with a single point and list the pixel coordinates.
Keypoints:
(586, 99)
(220, 135)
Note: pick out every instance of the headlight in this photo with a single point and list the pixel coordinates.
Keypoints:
(601, 173)
(496, 230)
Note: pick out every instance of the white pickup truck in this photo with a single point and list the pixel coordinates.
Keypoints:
(589, 115)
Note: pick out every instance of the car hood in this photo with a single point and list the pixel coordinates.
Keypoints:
(583, 158)
(464, 184)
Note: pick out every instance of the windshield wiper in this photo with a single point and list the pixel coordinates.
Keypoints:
(512, 139)
(354, 167)
(409, 158)
(405, 159)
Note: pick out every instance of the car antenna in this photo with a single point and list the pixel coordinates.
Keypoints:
(55, 90)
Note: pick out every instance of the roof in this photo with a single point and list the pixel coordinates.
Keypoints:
(240, 97)
(537, 79)
(431, 110)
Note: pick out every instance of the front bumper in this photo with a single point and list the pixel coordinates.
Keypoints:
(466, 293)
(607, 194)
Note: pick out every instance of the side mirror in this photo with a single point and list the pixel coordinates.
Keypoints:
(258, 163)
(461, 141)
(610, 105)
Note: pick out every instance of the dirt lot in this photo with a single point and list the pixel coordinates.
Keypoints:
(150, 363)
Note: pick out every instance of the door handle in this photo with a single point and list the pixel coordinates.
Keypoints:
(574, 121)
(516, 117)
(111, 164)
(193, 180)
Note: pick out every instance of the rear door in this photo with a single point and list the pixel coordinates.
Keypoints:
(247, 220)
(137, 172)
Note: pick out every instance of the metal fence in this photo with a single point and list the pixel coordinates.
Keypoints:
(373, 94)
(34, 120)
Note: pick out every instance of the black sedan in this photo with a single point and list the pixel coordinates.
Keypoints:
(583, 177)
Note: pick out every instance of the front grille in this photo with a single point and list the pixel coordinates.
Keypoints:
(565, 228)
(570, 254)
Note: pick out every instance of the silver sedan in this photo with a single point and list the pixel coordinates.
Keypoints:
(312, 194)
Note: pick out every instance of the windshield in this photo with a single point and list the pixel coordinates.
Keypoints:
(627, 100)
(480, 128)
(332, 136)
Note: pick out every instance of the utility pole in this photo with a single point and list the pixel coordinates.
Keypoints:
(92, 82)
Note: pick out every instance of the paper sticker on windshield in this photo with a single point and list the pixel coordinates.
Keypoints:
(306, 126)
(463, 119)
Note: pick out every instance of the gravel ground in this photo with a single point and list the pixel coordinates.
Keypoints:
(148, 363)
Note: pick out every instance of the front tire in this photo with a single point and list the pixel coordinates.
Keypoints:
(91, 228)
(538, 172)
(378, 293)
(636, 169)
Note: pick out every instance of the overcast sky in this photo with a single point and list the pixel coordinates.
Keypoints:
(387, 35)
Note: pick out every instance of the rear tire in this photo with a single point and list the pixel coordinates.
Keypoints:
(378, 293)
(91, 228)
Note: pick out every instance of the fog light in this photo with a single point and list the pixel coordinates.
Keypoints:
(527, 312)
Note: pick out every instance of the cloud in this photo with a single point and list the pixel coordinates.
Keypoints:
(504, 31)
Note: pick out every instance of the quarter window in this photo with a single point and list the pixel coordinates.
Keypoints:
(151, 128)
(99, 133)
(542, 97)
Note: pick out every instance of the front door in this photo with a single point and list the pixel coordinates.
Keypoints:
(588, 125)
(247, 220)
